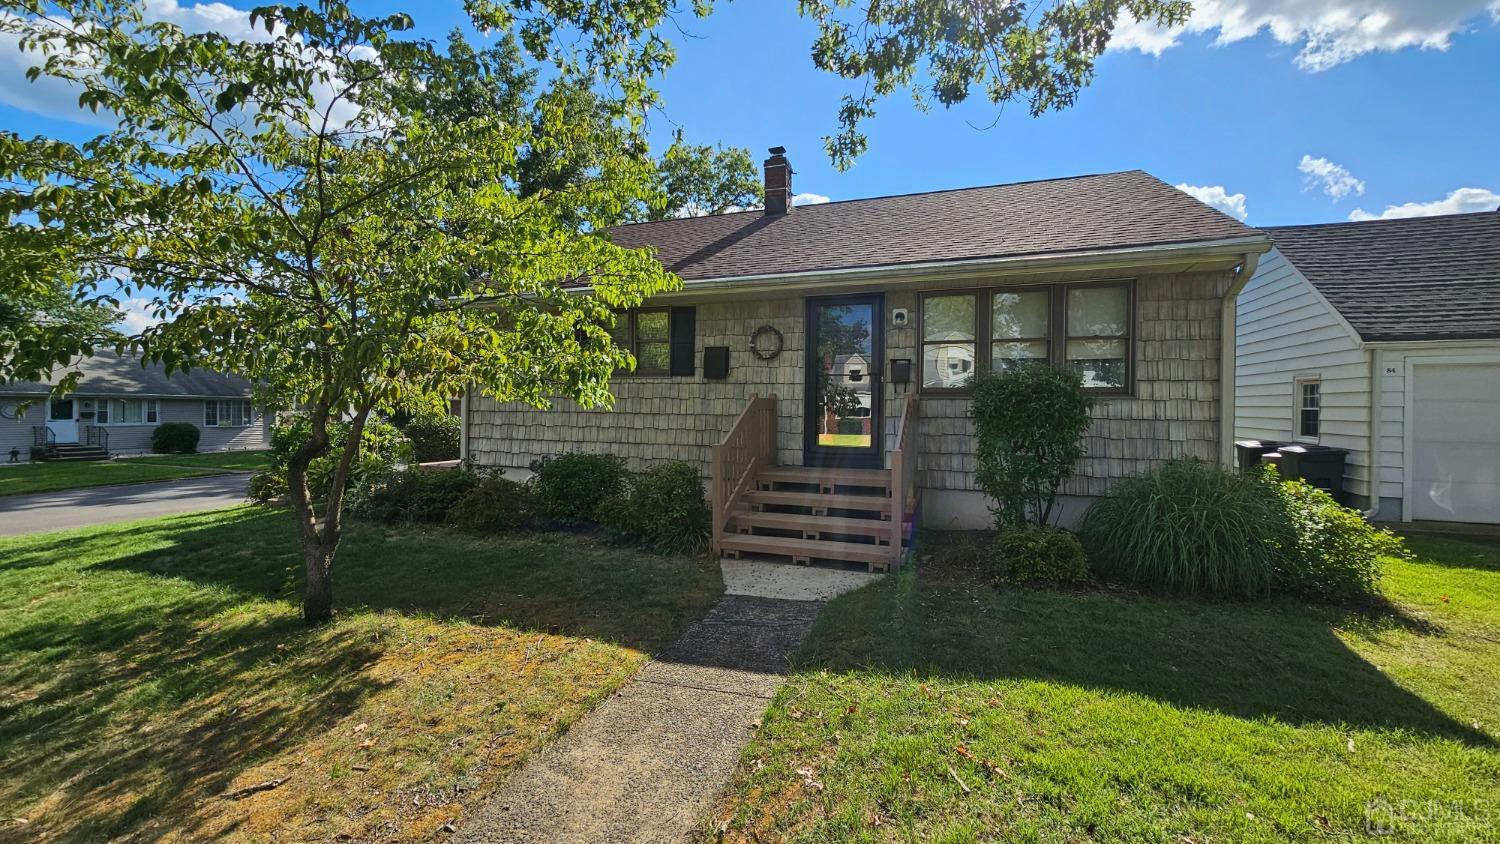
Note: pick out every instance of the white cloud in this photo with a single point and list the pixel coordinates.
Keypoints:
(1216, 196)
(1461, 201)
(1329, 32)
(136, 316)
(808, 199)
(1331, 178)
(52, 97)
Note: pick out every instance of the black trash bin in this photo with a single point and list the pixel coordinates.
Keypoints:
(1249, 452)
(1319, 465)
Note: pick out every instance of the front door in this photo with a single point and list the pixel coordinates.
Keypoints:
(62, 421)
(842, 422)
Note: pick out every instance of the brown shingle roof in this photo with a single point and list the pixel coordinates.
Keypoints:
(1109, 211)
(1425, 278)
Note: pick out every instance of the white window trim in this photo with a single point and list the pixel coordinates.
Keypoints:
(112, 419)
(219, 419)
(1297, 384)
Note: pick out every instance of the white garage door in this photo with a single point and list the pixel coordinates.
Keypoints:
(1455, 473)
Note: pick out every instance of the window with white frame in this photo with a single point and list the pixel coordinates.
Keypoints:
(127, 412)
(1309, 410)
(226, 413)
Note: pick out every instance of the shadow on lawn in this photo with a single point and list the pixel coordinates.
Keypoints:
(96, 689)
(84, 732)
(552, 583)
(1246, 660)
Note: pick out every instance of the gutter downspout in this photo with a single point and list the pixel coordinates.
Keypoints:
(1228, 355)
(463, 427)
(1372, 440)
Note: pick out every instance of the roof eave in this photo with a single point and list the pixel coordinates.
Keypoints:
(1134, 257)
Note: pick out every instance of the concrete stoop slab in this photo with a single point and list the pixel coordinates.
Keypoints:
(783, 581)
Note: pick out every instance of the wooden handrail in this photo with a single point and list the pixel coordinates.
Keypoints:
(749, 445)
(902, 459)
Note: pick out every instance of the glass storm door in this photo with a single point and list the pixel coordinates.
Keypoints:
(842, 423)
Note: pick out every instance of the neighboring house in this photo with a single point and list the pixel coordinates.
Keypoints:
(118, 402)
(1119, 276)
(1382, 338)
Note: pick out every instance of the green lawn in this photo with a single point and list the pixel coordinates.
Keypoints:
(932, 707)
(51, 477)
(149, 669)
(233, 461)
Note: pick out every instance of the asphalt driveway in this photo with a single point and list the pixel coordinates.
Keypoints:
(74, 508)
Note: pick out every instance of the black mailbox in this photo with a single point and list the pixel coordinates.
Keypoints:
(1249, 452)
(901, 370)
(715, 362)
(1319, 465)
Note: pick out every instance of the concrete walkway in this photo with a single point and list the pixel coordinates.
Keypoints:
(647, 764)
(74, 508)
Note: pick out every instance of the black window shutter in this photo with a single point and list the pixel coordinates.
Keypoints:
(684, 325)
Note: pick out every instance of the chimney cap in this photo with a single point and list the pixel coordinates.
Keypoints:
(778, 150)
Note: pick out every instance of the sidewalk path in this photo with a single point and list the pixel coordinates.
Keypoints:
(75, 508)
(647, 764)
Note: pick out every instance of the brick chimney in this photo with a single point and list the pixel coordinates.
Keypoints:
(778, 182)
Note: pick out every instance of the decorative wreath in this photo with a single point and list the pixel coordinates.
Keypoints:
(10, 410)
(766, 342)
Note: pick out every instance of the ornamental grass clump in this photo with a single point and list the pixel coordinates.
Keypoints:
(1189, 527)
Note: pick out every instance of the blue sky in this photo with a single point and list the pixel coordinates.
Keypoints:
(1305, 110)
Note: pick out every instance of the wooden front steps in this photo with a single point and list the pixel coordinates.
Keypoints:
(786, 512)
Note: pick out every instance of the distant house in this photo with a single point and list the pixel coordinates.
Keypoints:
(1118, 277)
(118, 402)
(1382, 338)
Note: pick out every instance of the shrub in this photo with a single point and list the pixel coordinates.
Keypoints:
(1332, 553)
(175, 438)
(661, 509)
(433, 438)
(1188, 527)
(568, 488)
(1029, 428)
(1038, 554)
(381, 447)
(409, 495)
(495, 505)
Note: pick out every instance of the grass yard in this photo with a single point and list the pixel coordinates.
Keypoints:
(932, 707)
(148, 671)
(229, 461)
(31, 478)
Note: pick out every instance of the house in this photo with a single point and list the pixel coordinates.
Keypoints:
(118, 402)
(1382, 338)
(1119, 276)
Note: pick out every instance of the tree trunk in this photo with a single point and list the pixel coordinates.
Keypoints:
(317, 594)
(320, 544)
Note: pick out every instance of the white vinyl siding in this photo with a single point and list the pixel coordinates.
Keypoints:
(1287, 334)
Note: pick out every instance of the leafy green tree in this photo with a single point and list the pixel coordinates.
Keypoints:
(49, 315)
(301, 217)
(1041, 53)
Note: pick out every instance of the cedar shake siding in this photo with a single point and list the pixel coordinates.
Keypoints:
(1172, 412)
